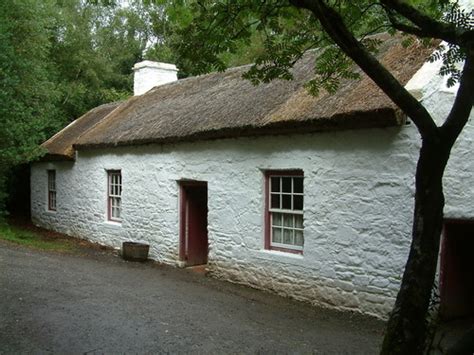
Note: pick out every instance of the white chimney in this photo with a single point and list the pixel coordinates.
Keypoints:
(149, 74)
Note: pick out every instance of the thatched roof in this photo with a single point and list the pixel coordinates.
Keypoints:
(60, 147)
(221, 105)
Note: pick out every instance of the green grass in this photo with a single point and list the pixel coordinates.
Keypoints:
(31, 239)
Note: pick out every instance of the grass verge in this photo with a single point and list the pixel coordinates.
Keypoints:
(32, 239)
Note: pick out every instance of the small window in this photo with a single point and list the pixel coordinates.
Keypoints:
(114, 195)
(52, 190)
(284, 211)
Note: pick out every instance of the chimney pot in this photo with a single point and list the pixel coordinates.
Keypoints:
(148, 74)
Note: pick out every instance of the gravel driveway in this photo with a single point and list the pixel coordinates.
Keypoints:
(63, 303)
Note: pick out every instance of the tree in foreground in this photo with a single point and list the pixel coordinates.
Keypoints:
(290, 27)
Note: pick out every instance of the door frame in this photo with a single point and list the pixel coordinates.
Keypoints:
(444, 257)
(183, 184)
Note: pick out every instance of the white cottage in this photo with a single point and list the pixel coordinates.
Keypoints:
(309, 197)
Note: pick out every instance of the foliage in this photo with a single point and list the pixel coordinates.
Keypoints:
(449, 53)
(28, 95)
(58, 59)
(94, 50)
(274, 34)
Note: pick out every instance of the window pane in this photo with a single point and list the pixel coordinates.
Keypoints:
(286, 184)
(286, 193)
(298, 202)
(114, 193)
(288, 220)
(286, 202)
(298, 221)
(298, 185)
(276, 235)
(275, 201)
(276, 219)
(275, 182)
(287, 236)
(299, 238)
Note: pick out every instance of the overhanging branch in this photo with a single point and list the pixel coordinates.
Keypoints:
(333, 24)
(403, 27)
(428, 26)
(459, 114)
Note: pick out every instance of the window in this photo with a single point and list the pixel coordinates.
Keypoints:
(284, 211)
(114, 195)
(52, 190)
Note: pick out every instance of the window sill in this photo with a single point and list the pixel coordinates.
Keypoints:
(280, 256)
(113, 224)
(52, 211)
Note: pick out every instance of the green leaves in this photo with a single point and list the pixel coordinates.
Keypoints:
(28, 95)
(217, 33)
(331, 67)
(450, 54)
(94, 49)
(277, 33)
(58, 59)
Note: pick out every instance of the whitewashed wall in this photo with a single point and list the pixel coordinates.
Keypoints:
(432, 91)
(358, 206)
(358, 203)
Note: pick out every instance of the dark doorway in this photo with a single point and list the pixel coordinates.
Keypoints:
(18, 188)
(193, 222)
(457, 270)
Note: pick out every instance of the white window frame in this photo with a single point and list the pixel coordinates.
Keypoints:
(296, 214)
(52, 192)
(114, 195)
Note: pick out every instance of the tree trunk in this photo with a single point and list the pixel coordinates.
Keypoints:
(406, 328)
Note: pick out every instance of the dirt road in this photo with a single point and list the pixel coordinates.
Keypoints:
(64, 303)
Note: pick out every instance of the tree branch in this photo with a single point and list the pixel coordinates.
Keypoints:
(459, 114)
(401, 26)
(337, 30)
(428, 26)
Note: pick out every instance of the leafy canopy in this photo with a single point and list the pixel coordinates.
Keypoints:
(218, 30)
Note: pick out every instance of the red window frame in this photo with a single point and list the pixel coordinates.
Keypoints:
(268, 213)
(52, 190)
(114, 195)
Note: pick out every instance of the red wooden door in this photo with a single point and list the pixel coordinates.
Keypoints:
(457, 271)
(194, 218)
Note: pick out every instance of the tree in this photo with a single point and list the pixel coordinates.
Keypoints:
(59, 59)
(28, 96)
(291, 27)
(94, 48)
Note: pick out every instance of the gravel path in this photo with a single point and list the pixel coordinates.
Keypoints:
(61, 303)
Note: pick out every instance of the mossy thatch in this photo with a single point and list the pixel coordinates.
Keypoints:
(60, 147)
(223, 105)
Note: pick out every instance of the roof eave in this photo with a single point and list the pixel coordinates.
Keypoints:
(382, 118)
(56, 157)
